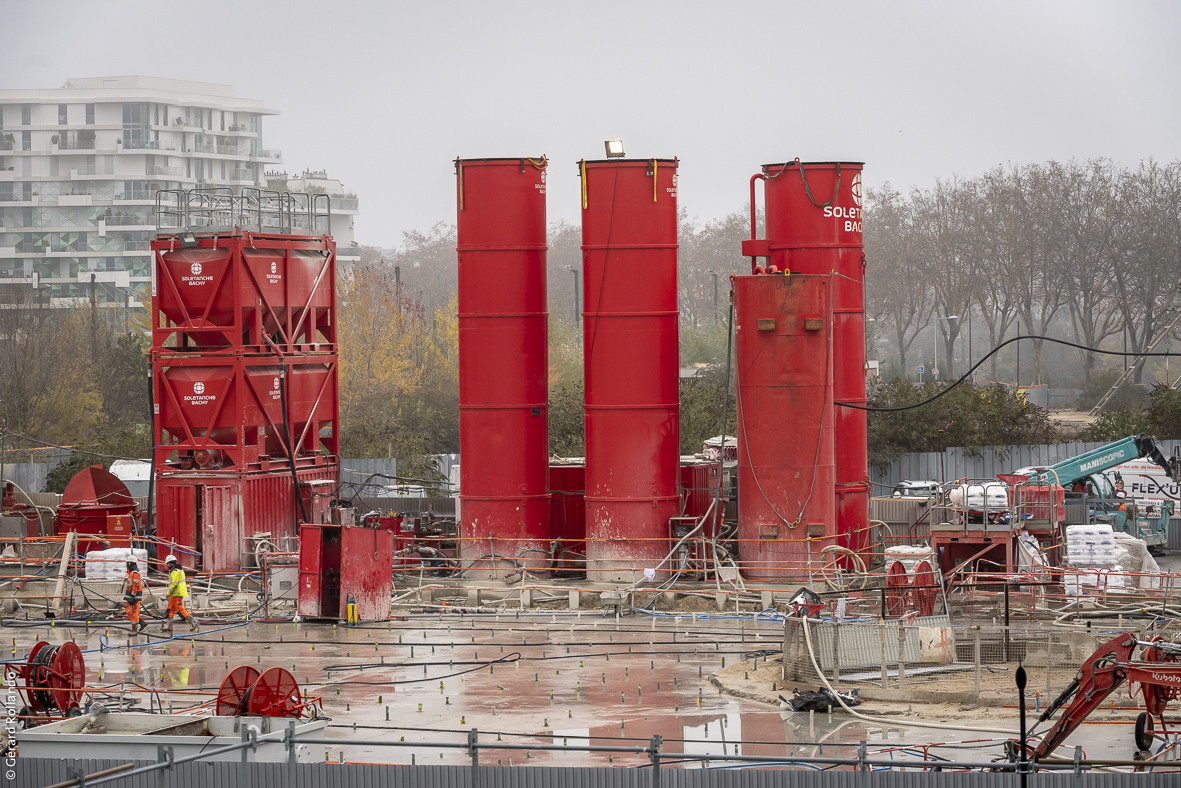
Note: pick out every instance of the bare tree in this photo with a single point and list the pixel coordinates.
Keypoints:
(1085, 201)
(943, 218)
(896, 291)
(1001, 231)
(1036, 276)
(1147, 273)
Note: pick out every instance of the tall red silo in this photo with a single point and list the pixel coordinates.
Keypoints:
(784, 363)
(503, 365)
(813, 212)
(629, 275)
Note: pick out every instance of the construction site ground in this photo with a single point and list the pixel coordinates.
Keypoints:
(707, 682)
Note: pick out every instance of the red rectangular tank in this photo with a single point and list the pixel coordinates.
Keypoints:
(814, 226)
(503, 365)
(783, 363)
(241, 290)
(206, 518)
(567, 488)
(227, 411)
(342, 564)
(631, 358)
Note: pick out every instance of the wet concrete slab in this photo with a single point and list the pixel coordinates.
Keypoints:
(527, 679)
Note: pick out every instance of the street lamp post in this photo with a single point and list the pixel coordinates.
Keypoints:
(575, 273)
(971, 358)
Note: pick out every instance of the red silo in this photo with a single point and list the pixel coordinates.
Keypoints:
(813, 212)
(629, 275)
(783, 362)
(503, 358)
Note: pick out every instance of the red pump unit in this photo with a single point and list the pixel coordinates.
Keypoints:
(813, 212)
(503, 365)
(629, 275)
(783, 358)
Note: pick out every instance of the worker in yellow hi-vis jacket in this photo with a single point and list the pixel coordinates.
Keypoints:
(177, 591)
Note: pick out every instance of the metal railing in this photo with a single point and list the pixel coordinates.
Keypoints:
(652, 752)
(254, 209)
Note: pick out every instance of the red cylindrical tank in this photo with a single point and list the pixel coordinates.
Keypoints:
(783, 362)
(813, 212)
(629, 274)
(503, 365)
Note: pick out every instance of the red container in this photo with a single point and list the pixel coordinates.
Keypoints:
(813, 212)
(227, 412)
(237, 291)
(1044, 503)
(339, 564)
(96, 503)
(567, 488)
(629, 275)
(783, 350)
(503, 364)
(699, 486)
(206, 518)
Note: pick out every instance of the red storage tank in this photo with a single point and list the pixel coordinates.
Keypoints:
(629, 274)
(783, 362)
(222, 412)
(813, 212)
(503, 365)
(245, 291)
(211, 515)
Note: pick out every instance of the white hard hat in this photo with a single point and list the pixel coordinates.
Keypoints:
(171, 559)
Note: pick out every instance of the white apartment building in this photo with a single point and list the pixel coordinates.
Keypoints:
(80, 167)
(343, 206)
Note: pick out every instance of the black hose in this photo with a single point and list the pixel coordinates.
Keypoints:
(303, 510)
(149, 526)
(719, 504)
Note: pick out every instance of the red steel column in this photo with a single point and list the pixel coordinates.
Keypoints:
(783, 362)
(813, 212)
(503, 353)
(629, 274)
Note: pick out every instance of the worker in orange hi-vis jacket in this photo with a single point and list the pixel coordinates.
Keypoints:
(177, 591)
(133, 591)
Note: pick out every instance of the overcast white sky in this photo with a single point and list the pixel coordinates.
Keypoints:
(384, 95)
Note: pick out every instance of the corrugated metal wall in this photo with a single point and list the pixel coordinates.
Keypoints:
(29, 476)
(34, 773)
(958, 463)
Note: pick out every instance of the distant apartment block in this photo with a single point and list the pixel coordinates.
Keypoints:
(80, 167)
(343, 206)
